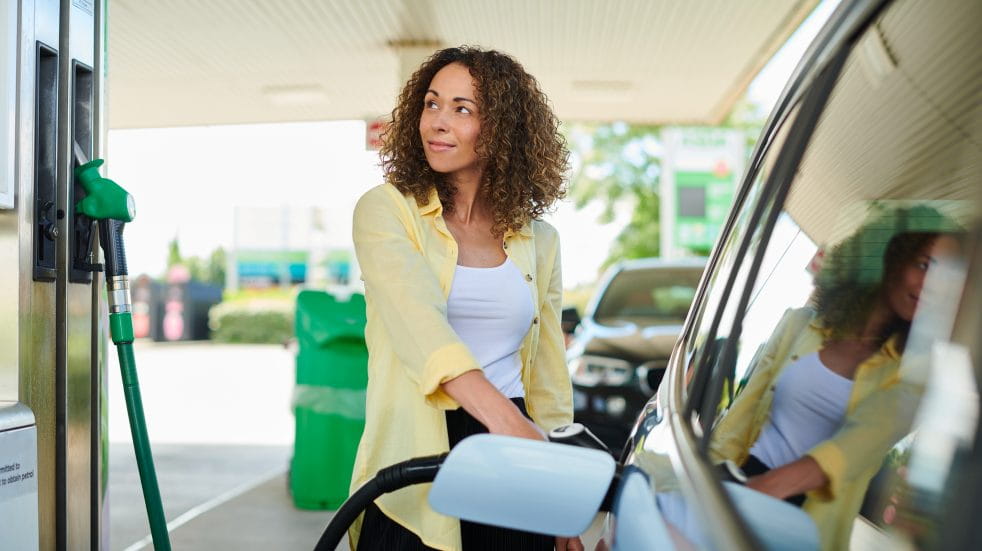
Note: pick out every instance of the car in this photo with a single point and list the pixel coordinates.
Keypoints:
(883, 114)
(620, 347)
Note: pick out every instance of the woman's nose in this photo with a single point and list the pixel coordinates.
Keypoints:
(438, 121)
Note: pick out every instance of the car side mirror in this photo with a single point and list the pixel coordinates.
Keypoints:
(570, 319)
(529, 485)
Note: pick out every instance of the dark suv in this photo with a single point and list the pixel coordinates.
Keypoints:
(620, 349)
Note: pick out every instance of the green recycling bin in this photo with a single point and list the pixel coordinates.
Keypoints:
(329, 399)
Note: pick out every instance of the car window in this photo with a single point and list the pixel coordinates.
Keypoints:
(703, 347)
(849, 320)
(653, 296)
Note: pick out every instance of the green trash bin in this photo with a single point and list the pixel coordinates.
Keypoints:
(329, 399)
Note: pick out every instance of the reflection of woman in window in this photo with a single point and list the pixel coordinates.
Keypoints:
(820, 410)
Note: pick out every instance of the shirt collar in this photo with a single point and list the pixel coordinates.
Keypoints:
(433, 204)
(524, 231)
(891, 348)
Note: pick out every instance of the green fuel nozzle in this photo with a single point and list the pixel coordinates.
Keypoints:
(104, 198)
(111, 205)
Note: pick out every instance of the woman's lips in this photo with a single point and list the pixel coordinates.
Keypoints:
(439, 146)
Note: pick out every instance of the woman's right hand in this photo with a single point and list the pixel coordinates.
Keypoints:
(484, 402)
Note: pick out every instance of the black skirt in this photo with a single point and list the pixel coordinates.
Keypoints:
(380, 533)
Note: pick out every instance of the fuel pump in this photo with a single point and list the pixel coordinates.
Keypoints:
(112, 207)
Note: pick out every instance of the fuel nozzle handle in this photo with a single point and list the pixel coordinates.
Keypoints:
(112, 206)
(111, 240)
(577, 435)
(108, 203)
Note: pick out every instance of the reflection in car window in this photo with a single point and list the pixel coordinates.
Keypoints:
(829, 372)
(656, 296)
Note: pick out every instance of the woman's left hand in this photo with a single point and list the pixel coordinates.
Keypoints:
(568, 544)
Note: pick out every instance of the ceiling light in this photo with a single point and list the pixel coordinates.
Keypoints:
(302, 94)
(877, 60)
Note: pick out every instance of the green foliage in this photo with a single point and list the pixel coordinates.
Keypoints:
(617, 164)
(211, 270)
(173, 253)
(258, 320)
(620, 164)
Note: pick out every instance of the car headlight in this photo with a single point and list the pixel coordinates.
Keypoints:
(599, 370)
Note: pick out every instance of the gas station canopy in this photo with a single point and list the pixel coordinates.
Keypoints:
(188, 62)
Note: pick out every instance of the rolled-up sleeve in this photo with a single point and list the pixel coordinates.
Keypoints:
(551, 393)
(877, 423)
(407, 297)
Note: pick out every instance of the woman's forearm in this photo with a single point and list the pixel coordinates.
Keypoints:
(795, 478)
(484, 402)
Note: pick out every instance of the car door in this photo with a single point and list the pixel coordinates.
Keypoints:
(881, 124)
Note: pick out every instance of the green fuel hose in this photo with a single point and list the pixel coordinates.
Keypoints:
(112, 207)
(121, 331)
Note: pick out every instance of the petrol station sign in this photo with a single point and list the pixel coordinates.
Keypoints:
(700, 173)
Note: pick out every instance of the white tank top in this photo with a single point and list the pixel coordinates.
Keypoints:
(809, 406)
(491, 310)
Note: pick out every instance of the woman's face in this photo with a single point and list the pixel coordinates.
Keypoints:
(450, 124)
(904, 290)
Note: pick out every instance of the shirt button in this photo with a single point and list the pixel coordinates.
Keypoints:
(794, 357)
(535, 321)
(528, 277)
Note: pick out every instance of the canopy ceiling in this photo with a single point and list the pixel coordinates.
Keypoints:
(193, 62)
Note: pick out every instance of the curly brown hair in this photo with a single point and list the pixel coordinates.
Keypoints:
(856, 271)
(524, 155)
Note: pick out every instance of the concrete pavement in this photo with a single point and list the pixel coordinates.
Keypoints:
(221, 428)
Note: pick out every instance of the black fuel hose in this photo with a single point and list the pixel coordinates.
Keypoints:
(418, 470)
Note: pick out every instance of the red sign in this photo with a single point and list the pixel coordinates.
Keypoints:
(373, 134)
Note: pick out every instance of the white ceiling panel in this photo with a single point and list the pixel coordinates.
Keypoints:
(193, 62)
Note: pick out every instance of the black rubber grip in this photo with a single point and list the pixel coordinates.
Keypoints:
(111, 239)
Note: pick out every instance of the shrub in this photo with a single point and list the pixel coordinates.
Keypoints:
(252, 321)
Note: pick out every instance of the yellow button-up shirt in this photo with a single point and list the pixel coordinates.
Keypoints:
(874, 422)
(408, 258)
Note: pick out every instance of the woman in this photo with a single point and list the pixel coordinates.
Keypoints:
(824, 403)
(462, 285)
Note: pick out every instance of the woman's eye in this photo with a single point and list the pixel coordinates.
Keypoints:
(464, 110)
(430, 104)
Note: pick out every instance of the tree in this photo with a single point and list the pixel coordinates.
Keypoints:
(174, 253)
(215, 270)
(616, 164)
(211, 270)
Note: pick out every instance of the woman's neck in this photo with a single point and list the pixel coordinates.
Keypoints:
(468, 203)
(877, 322)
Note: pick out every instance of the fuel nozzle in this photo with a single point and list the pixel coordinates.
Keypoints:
(112, 206)
(104, 198)
(577, 435)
